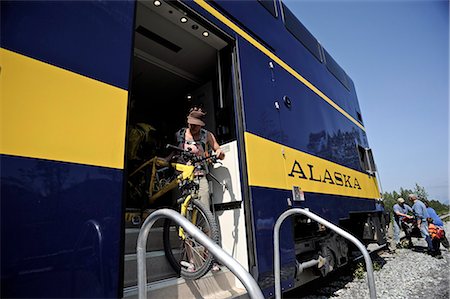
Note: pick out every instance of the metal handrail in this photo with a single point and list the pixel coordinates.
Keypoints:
(247, 280)
(340, 231)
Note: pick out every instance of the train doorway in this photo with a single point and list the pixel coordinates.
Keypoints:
(179, 62)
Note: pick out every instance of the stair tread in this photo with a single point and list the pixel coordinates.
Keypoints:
(217, 285)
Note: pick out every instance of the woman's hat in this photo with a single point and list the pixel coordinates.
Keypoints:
(195, 117)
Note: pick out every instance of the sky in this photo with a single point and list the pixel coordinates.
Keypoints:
(397, 53)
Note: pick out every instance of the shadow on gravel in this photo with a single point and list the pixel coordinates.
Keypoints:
(378, 262)
(323, 287)
(419, 249)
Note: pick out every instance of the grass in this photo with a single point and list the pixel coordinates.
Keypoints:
(360, 269)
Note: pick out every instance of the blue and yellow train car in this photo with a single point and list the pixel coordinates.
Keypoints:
(76, 76)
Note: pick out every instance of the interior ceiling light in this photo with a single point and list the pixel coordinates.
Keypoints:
(157, 3)
(205, 33)
(183, 20)
(195, 27)
(188, 97)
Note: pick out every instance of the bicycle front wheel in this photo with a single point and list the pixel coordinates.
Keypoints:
(186, 255)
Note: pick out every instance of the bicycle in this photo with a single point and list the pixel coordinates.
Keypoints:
(186, 256)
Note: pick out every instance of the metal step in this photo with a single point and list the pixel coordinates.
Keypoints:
(219, 285)
(154, 241)
(134, 218)
(157, 268)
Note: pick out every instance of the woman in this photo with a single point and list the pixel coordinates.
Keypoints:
(199, 141)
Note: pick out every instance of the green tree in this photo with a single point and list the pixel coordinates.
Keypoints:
(420, 192)
(439, 207)
(390, 199)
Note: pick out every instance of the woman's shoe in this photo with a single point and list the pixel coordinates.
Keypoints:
(189, 266)
(215, 268)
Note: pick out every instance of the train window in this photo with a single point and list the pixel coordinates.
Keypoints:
(270, 6)
(336, 70)
(300, 32)
(359, 116)
(366, 159)
(373, 167)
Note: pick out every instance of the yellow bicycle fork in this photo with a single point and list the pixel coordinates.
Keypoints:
(184, 207)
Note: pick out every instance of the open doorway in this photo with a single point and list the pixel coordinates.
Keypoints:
(179, 62)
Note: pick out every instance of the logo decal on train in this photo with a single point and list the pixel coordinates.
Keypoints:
(323, 176)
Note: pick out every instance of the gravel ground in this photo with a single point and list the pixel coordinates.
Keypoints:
(405, 274)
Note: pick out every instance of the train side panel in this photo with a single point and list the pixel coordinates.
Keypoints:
(65, 71)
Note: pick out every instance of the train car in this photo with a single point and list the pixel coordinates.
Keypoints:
(78, 76)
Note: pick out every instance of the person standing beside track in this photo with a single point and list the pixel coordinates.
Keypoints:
(420, 211)
(436, 220)
(433, 215)
(401, 213)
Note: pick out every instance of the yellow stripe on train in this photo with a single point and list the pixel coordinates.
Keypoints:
(273, 165)
(51, 113)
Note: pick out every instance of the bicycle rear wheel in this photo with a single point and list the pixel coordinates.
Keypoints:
(188, 257)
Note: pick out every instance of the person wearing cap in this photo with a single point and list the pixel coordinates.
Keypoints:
(420, 211)
(400, 215)
(200, 141)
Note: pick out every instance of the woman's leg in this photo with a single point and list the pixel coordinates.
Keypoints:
(203, 192)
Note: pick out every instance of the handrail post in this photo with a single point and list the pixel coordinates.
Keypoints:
(247, 280)
(338, 230)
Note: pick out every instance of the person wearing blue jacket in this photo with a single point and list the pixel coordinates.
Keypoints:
(401, 211)
(436, 220)
(420, 210)
(433, 215)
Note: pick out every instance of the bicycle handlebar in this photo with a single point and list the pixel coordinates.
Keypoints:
(174, 147)
(193, 157)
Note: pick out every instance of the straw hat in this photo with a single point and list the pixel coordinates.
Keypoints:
(195, 117)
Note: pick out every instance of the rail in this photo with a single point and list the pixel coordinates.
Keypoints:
(247, 280)
(338, 230)
(444, 216)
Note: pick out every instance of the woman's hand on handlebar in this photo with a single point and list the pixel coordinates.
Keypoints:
(220, 154)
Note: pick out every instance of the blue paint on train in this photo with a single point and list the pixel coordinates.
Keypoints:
(310, 124)
(92, 38)
(335, 208)
(253, 18)
(256, 20)
(267, 206)
(60, 229)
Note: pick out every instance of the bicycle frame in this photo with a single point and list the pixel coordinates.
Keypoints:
(183, 212)
(187, 173)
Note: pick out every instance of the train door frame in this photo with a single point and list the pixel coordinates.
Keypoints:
(238, 125)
